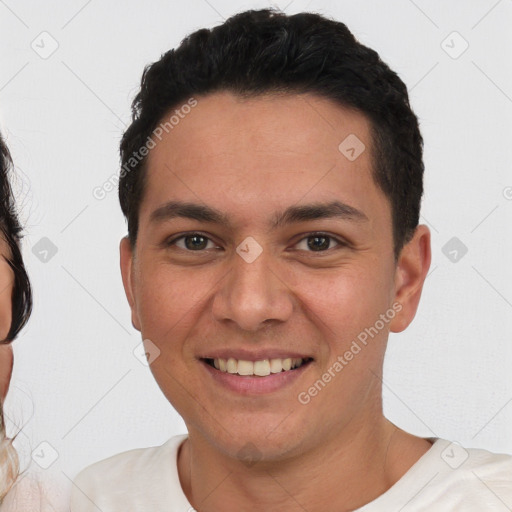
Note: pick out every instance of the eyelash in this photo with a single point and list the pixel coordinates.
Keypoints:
(341, 243)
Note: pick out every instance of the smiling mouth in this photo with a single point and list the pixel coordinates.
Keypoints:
(261, 368)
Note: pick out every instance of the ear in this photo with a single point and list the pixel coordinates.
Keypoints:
(411, 272)
(127, 270)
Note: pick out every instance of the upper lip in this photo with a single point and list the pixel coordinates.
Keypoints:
(253, 355)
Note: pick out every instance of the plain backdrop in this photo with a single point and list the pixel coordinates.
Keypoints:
(68, 73)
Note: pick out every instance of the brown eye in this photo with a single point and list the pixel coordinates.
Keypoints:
(319, 242)
(192, 242)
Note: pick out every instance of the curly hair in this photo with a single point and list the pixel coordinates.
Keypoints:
(264, 51)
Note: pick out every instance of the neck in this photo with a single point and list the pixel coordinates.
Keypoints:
(343, 474)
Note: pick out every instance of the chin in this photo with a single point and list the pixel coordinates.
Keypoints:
(253, 443)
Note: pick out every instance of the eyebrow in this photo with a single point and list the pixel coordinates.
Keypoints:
(292, 214)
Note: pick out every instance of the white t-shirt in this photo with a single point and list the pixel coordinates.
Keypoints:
(446, 478)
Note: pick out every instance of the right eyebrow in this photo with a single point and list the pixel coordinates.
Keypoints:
(199, 212)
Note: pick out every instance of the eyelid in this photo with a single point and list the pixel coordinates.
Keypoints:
(172, 240)
(340, 241)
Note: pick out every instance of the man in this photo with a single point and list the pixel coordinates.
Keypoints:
(272, 180)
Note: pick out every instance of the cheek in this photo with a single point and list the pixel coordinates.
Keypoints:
(167, 301)
(6, 283)
(5, 316)
(348, 299)
(6, 360)
(167, 306)
(345, 307)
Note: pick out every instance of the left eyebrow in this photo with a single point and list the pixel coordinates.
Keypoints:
(292, 214)
(315, 211)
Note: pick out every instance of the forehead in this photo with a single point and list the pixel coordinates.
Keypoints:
(267, 150)
(298, 123)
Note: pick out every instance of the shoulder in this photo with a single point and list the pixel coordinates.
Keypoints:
(475, 477)
(488, 467)
(144, 472)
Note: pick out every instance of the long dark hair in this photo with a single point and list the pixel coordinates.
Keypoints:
(11, 231)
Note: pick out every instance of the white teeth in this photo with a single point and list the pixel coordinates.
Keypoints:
(260, 368)
(276, 365)
(231, 365)
(245, 367)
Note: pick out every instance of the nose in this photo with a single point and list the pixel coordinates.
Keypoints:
(253, 294)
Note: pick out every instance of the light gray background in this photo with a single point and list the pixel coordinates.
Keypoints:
(77, 386)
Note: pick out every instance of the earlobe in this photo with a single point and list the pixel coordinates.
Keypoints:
(411, 272)
(126, 261)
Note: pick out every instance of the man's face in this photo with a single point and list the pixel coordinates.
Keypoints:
(317, 284)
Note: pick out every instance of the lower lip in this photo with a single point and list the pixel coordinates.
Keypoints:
(247, 385)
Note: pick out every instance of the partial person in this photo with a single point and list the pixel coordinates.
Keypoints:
(15, 309)
(21, 490)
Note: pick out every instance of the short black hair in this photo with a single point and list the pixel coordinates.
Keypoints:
(11, 231)
(264, 51)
